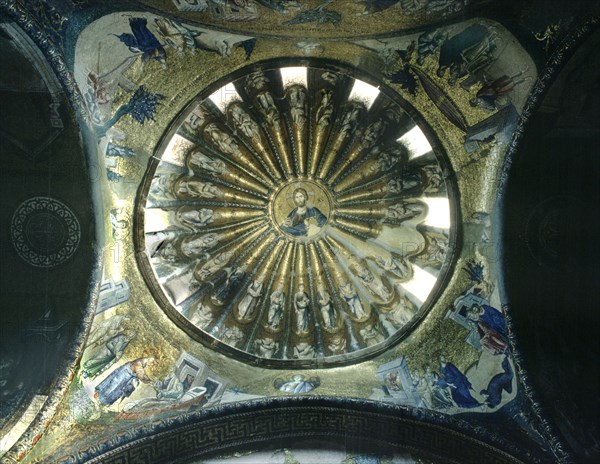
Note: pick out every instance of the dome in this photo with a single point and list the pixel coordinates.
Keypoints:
(297, 215)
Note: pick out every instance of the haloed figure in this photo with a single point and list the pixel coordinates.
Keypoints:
(300, 220)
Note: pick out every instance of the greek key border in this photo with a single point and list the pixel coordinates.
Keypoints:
(16, 12)
(362, 425)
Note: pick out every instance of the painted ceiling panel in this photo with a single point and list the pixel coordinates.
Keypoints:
(325, 18)
(289, 219)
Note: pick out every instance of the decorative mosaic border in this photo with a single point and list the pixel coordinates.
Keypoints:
(26, 21)
(19, 233)
(357, 423)
(21, 16)
(551, 69)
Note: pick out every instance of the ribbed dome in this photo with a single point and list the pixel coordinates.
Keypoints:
(297, 213)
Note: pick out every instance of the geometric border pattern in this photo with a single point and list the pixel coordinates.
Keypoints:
(49, 206)
(16, 12)
(360, 426)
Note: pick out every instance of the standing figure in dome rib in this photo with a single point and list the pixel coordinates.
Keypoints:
(266, 347)
(349, 294)
(235, 275)
(193, 218)
(301, 305)
(297, 96)
(297, 222)
(396, 265)
(248, 303)
(189, 187)
(213, 265)
(201, 315)
(325, 110)
(196, 245)
(337, 344)
(350, 120)
(276, 308)
(222, 140)
(327, 309)
(206, 163)
(372, 282)
(243, 122)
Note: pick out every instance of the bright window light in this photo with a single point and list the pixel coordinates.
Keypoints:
(416, 143)
(438, 214)
(291, 76)
(157, 219)
(225, 95)
(176, 150)
(364, 92)
(420, 285)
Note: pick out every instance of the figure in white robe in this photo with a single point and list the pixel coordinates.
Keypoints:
(276, 307)
(397, 265)
(207, 163)
(223, 141)
(349, 294)
(248, 303)
(402, 312)
(301, 305)
(297, 96)
(325, 110)
(244, 123)
(371, 334)
(201, 316)
(266, 347)
(337, 344)
(196, 245)
(327, 309)
(197, 189)
(304, 351)
(373, 283)
(214, 265)
(195, 217)
(232, 336)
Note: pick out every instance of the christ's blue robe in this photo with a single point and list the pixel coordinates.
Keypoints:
(298, 228)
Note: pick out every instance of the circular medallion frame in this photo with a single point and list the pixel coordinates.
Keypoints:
(284, 204)
(45, 232)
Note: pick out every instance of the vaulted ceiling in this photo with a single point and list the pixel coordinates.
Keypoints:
(350, 231)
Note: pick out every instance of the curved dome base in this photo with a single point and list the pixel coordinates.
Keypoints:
(299, 216)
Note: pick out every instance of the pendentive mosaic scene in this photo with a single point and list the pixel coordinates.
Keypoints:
(283, 231)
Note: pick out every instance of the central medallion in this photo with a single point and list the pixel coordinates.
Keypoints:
(300, 209)
(297, 216)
